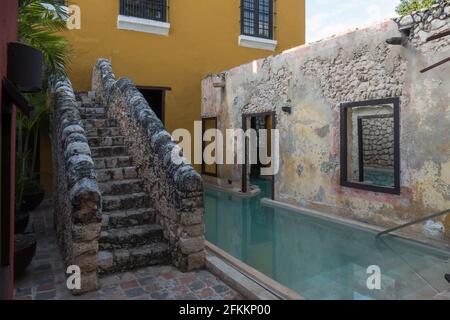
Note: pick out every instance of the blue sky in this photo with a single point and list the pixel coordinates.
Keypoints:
(325, 18)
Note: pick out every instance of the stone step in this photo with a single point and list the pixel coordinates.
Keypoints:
(92, 112)
(105, 175)
(128, 218)
(119, 187)
(80, 95)
(98, 123)
(103, 132)
(130, 237)
(92, 109)
(126, 201)
(122, 260)
(112, 162)
(92, 105)
(106, 141)
(88, 104)
(88, 93)
(113, 151)
(93, 116)
(85, 97)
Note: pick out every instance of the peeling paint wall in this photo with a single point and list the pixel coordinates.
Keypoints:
(314, 80)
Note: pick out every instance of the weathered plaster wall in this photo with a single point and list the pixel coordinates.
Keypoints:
(314, 79)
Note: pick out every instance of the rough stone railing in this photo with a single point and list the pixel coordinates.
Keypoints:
(76, 196)
(176, 189)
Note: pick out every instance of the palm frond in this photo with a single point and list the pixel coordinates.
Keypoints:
(39, 26)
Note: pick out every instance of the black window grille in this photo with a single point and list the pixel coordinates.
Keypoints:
(145, 9)
(257, 18)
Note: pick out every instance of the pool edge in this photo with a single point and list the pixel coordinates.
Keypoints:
(246, 280)
(252, 194)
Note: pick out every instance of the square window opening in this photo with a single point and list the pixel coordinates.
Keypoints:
(370, 145)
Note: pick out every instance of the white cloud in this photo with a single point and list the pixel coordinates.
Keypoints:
(325, 18)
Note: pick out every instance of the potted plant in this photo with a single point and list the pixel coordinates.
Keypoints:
(29, 193)
(24, 251)
(33, 194)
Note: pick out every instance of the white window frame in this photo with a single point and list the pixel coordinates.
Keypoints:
(143, 25)
(257, 43)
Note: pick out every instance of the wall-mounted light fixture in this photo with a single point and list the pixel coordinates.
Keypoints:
(287, 109)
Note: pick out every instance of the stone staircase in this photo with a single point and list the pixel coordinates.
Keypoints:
(129, 238)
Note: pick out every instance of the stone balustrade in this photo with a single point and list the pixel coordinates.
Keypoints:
(176, 190)
(76, 196)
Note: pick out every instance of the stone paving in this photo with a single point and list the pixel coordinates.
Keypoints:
(45, 278)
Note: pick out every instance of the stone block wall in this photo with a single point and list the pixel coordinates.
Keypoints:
(314, 80)
(420, 24)
(378, 142)
(176, 190)
(76, 196)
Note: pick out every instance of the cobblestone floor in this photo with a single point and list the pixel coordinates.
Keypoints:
(45, 278)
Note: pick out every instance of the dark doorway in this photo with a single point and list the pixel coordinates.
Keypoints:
(156, 97)
(208, 124)
(252, 171)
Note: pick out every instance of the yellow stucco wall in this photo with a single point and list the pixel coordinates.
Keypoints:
(203, 39)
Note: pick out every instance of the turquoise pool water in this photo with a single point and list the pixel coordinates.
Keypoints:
(383, 178)
(318, 258)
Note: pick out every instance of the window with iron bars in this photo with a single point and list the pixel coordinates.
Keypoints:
(257, 18)
(145, 9)
(61, 2)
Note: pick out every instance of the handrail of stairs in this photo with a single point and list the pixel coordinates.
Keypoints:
(388, 231)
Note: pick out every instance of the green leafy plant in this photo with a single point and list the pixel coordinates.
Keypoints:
(409, 6)
(40, 23)
(28, 143)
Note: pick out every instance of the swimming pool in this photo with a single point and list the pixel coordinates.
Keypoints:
(318, 258)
